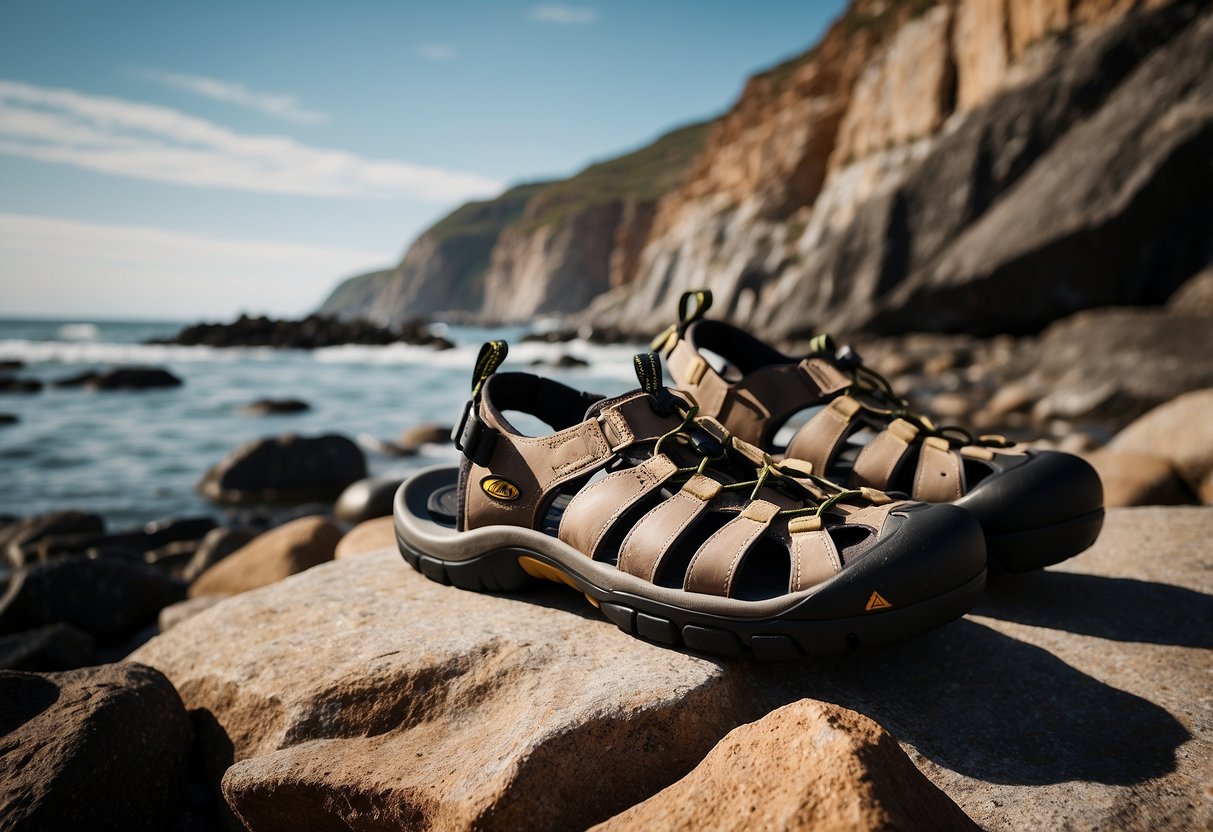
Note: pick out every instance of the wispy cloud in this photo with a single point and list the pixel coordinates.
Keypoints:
(274, 104)
(436, 51)
(64, 266)
(129, 138)
(566, 15)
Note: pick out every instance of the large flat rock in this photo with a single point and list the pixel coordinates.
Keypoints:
(1076, 697)
(360, 695)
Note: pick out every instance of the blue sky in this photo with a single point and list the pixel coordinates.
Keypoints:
(195, 160)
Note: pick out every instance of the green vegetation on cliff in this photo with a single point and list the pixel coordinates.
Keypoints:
(643, 174)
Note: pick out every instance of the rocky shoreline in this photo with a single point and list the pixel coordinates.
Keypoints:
(312, 332)
(323, 684)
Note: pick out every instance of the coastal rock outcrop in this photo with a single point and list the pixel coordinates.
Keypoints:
(1003, 219)
(313, 332)
(122, 378)
(285, 469)
(102, 748)
(360, 695)
(974, 166)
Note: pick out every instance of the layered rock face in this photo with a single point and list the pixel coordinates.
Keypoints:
(980, 166)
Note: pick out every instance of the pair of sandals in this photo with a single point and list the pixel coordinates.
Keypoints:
(679, 517)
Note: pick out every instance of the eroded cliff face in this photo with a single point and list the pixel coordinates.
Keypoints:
(983, 165)
(443, 271)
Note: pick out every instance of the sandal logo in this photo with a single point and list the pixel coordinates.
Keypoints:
(500, 489)
(876, 601)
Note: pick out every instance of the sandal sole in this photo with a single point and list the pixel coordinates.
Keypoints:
(508, 559)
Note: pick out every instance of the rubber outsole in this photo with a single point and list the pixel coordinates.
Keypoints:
(509, 568)
(1033, 549)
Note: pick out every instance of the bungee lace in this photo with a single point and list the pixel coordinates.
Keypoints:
(770, 474)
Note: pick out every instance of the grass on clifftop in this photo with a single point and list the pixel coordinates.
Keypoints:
(643, 174)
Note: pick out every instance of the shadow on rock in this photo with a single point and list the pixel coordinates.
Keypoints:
(1120, 609)
(991, 707)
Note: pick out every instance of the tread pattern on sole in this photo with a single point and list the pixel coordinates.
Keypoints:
(502, 573)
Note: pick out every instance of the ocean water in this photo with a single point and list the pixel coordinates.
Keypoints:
(136, 456)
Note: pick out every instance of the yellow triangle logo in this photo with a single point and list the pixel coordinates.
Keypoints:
(877, 602)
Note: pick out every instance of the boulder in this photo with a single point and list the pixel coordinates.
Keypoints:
(807, 765)
(1195, 296)
(174, 614)
(108, 598)
(1137, 479)
(1180, 431)
(9, 419)
(270, 557)
(51, 647)
(391, 701)
(20, 541)
(285, 469)
(268, 407)
(1119, 363)
(366, 499)
(122, 378)
(361, 695)
(8, 365)
(368, 536)
(218, 544)
(99, 748)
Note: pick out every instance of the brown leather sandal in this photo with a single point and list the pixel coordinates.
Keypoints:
(677, 531)
(1035, 507)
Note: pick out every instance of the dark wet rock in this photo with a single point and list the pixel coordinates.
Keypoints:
(552, 336)
(107, 598)
(51, 647)
(21, 542)
(9, 419)
(74, 534)
(101, 748)
(366, 499)
(269, 407)
(172, 557)
(312, 332)
(563, 361)
(122, 378)
(218, 544)
(430, 433)
(13, 384)
(279, 553)
(7, 366)
(285, 469)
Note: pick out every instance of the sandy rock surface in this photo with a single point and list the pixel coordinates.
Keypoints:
(360, 695)
(807, 765)
(269, 557)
